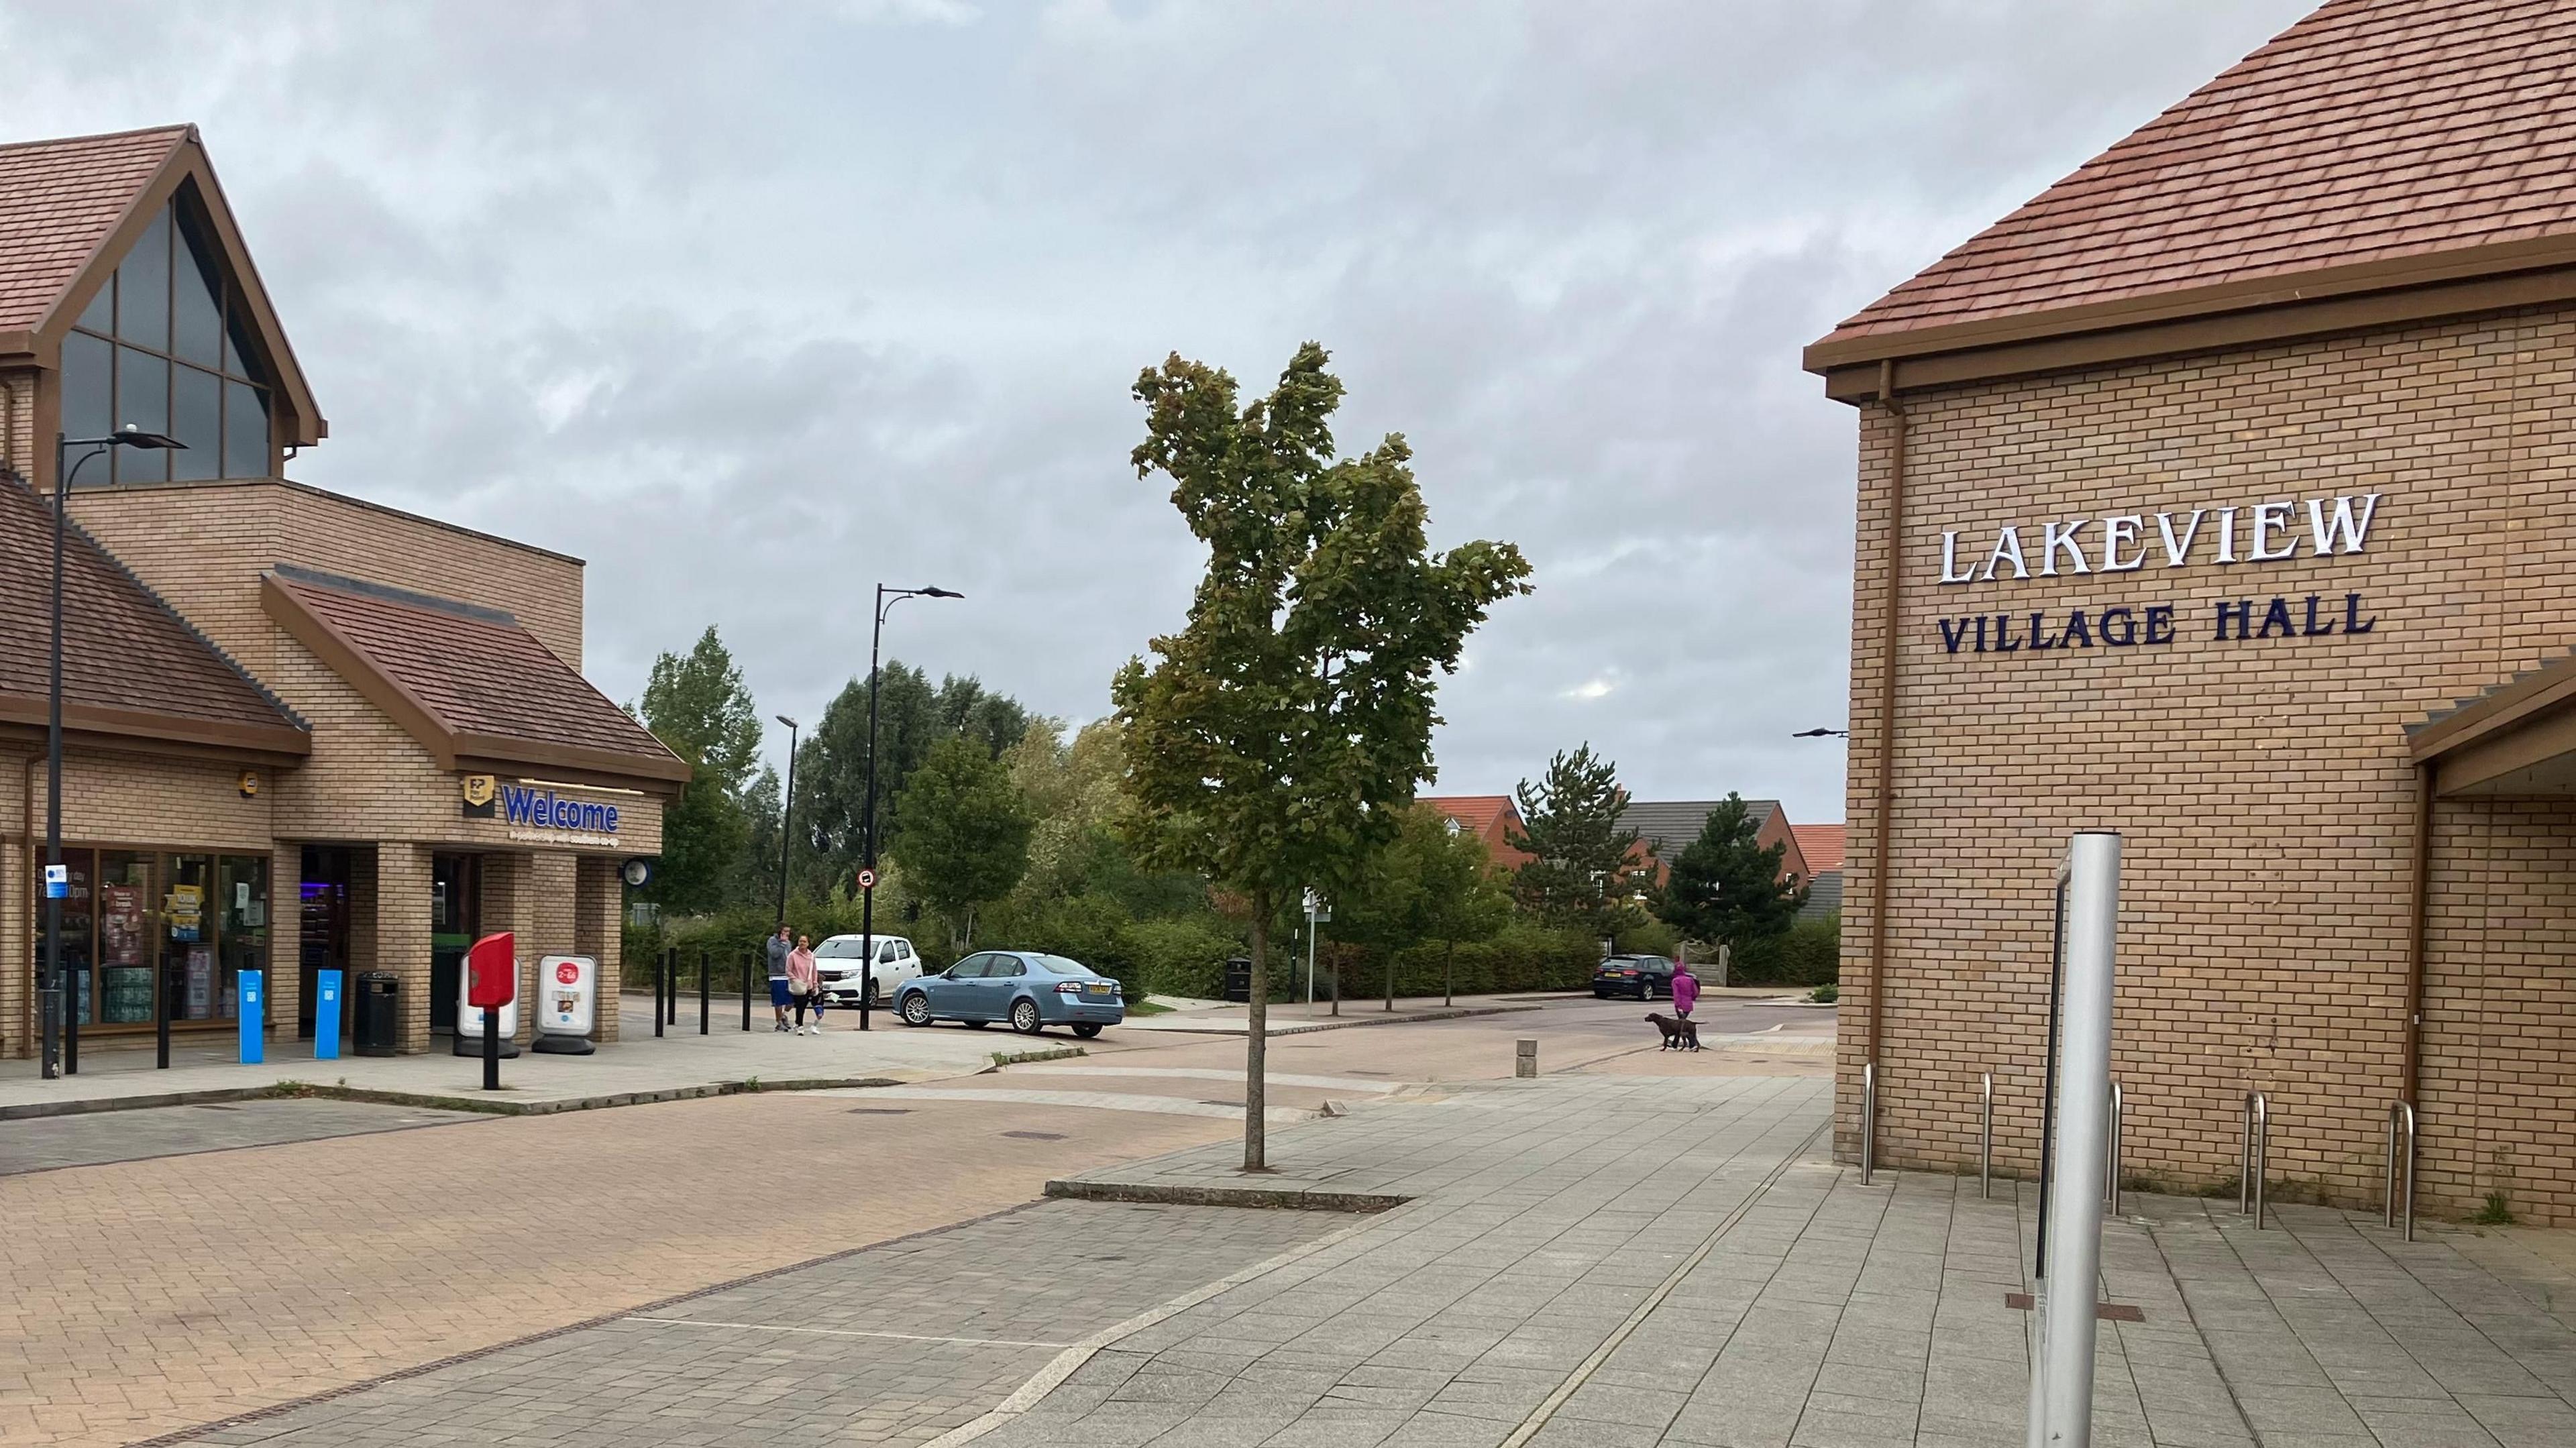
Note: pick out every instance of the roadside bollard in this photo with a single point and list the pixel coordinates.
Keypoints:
(1525, 1063)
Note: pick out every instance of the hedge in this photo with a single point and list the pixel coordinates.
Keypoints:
(1807, 953)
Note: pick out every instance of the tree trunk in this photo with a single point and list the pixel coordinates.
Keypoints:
(1256, 1040)
(1448, 971)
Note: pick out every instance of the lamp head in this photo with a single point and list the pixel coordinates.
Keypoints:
(783, 719)
(133, 436)
(941, 593)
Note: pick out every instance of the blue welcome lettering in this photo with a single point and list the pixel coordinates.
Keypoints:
(518, 805)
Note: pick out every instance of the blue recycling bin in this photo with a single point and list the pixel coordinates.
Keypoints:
(253, 1000)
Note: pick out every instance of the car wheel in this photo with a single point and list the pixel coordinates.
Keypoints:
(868, 995)
(1024, 1018)
(1087, 1029)
(916, 1010)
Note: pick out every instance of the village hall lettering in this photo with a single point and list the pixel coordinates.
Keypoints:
(2268, 532)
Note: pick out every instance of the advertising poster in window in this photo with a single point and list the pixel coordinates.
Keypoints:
(186, 908)
(121, 926)
(201, 981)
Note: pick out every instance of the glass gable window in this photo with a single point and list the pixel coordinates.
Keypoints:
(166, 346)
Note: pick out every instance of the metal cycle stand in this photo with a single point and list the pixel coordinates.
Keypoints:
(2111, 1175)
(2401, 1117)
(1868, 1120)
(2253, 1157)
(1986, 1138)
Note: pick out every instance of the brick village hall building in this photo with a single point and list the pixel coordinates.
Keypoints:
(2225, 496)
(283, 707)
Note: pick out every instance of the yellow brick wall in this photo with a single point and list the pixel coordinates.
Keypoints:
(2262, 786)
(203, 546)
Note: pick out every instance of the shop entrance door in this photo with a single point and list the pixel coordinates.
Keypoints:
(455, 920)
(324, 934)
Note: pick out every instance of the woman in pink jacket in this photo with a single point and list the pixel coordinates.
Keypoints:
(1685, 989)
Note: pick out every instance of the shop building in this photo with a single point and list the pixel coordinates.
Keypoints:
(302, 731)
(2225, 496)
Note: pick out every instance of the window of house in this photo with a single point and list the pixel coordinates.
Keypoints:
(165, 346)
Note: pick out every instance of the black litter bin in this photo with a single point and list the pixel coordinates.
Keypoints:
(1238, 979)
(379, 1012)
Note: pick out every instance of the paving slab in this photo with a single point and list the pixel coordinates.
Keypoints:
(94, 1138)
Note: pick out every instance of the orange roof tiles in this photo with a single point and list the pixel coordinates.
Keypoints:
(474, 669)
(123, 648)
(1475, 813)
(59, 200)
(1823, 846)
(2372, 130)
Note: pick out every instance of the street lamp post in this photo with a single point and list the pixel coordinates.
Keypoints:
(887, 598)
(52, 994)
(786, 823)
(1822, 734)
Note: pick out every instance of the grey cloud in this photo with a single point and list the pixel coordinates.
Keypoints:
(754, 306)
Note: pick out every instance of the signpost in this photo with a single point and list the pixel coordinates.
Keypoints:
(2061, 1383)
(491, 982)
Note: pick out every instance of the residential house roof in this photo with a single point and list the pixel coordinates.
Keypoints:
(1666, 828)
(466, 681)
(2375, 144)
(131, 665)
(1822, 845)
(1485, 816)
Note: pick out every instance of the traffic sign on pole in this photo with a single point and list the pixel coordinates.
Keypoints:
(867, 879)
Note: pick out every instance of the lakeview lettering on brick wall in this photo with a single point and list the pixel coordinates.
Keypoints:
(2266, 532)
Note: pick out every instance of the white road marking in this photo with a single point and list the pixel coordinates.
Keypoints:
(1210, 1073)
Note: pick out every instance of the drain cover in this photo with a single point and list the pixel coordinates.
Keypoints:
(1035, 1135)
(880, 1111)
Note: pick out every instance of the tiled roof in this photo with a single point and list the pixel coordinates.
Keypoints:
(123, 648)
(1475, 813)
(1668, 828)
(1824, 895)
(2372, 130)
(58, 202)
(1822, 845)
(479, 675)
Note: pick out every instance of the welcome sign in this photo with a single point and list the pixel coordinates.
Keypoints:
(2264, 532)
(534, 812)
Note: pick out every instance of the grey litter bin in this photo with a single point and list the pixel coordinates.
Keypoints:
(379, 1012)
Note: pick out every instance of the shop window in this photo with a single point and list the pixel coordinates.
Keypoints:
(143, 930)
(241, 910)
(183, 362)
(125, 931)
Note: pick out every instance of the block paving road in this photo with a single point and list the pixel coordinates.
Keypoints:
(894, 1344)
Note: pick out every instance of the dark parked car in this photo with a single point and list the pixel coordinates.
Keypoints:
(1642, 976)
(1030, 990)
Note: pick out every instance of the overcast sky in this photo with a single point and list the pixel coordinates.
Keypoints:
(753, 306)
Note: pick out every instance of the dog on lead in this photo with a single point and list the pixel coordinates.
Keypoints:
(1680, 1032)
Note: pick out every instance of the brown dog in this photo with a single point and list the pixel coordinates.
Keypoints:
(1680, 1032)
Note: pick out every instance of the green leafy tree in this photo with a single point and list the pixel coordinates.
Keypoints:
(913, 715)
(1433, 881)
(698, 705)
(1723, 889)
(1584, 868)
(965, 839)
(1276, 737)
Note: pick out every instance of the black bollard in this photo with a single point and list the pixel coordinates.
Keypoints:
(702, 990)
(746, 993)
(661, 982)
(671, 990)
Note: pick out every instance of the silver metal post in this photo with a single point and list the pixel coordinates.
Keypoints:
(1986, 1137)
(2111, 1177)
(1868, 1119)
(2401, 1117)
(2253, 1162)
(2064, 1393)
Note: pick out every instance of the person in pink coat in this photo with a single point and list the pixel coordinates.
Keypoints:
(1685, 989)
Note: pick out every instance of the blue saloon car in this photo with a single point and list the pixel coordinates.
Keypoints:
(1030, 990)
